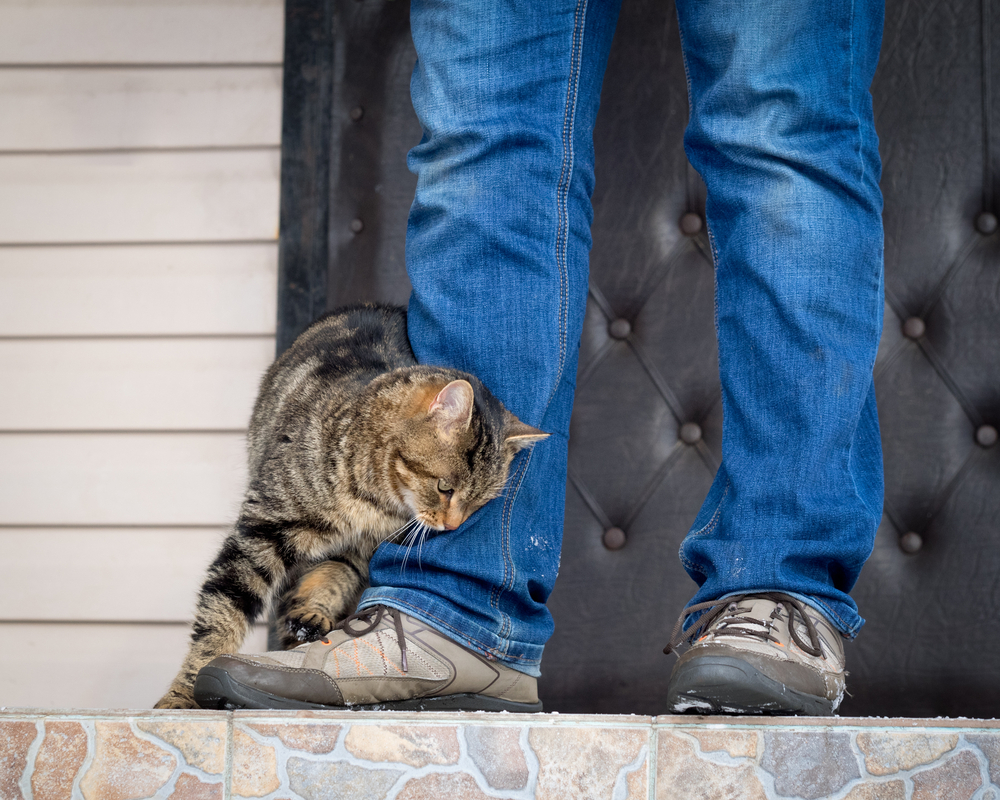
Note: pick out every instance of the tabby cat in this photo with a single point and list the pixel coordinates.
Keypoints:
(351, 443)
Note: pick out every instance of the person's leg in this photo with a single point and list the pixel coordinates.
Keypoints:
(497, 251)
(782, 132)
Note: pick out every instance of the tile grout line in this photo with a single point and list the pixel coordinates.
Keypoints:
(984, 765)
(283, 753)
(619, 789)
(90, 729)
(654, 746)
(30, 756)
(227, 770)
(530, 759)
(167, 747)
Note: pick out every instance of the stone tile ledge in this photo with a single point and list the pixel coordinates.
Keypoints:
(272, 755)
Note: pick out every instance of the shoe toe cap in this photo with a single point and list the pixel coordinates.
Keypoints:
(808, 679)
(308, 685)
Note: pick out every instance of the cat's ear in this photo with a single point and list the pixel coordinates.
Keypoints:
(520, 435)
(451, 410)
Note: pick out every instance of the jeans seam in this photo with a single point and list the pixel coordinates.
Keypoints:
(688, 564)
(508, 562)
(561, 248)
(564, 184)
(684, 62)
(508, 585)
(850, 94)
(708, 527)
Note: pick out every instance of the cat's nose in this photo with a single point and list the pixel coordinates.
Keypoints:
(453, 519)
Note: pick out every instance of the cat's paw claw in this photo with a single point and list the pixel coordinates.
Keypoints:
(299, 630)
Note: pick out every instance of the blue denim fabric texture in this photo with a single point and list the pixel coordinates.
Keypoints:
(781, 131)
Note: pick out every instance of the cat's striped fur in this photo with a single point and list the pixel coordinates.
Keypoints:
(350, 443)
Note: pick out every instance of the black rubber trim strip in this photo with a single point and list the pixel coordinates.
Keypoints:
(726, 685)
(215, 688)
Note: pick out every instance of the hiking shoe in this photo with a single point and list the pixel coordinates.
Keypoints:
(377, 659)
(757, 654)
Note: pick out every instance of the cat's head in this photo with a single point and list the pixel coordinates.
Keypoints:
(456, 450)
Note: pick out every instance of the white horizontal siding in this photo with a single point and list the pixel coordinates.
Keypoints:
(120, 107)
(132, 575)
(139, 182)
(141, 31)
(93, 665)
(121, 479)
(219, 195)
(138, 289)
(138, 384)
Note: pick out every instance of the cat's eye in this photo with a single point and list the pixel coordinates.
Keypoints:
(444, 487)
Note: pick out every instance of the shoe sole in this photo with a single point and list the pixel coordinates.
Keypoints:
(722, 685)
(214, 688)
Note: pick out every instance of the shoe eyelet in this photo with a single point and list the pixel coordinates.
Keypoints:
(324, 641)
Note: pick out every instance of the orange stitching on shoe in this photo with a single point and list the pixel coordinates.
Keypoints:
(357, 659)
(385, 660)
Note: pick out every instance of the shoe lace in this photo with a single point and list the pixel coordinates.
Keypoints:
(372, 617)
(733, 624)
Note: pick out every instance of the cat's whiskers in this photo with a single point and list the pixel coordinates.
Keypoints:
(420, 548)
(403, 527)
(409, 528)
(415, 535)
(401, 534)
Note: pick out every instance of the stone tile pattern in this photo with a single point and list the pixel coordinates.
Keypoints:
(831, 762)
(458, 758)
(52, 757)
(216, 756)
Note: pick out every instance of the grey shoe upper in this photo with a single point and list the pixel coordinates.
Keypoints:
(358, 666)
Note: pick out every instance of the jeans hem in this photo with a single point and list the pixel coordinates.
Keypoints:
(444, 619)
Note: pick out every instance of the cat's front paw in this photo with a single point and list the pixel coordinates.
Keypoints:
(308, 627)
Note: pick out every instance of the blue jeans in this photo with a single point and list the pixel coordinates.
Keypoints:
(781, 131)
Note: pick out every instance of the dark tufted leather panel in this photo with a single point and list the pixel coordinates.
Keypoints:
(931, 591)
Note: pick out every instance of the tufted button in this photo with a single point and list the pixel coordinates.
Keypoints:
(614, 538)
(357, 113)
(914, 328)
(357, 225)
(690, 433)
(986, 435)
(619, 328)
(691, 224)
(986, 223)
(911, 542)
